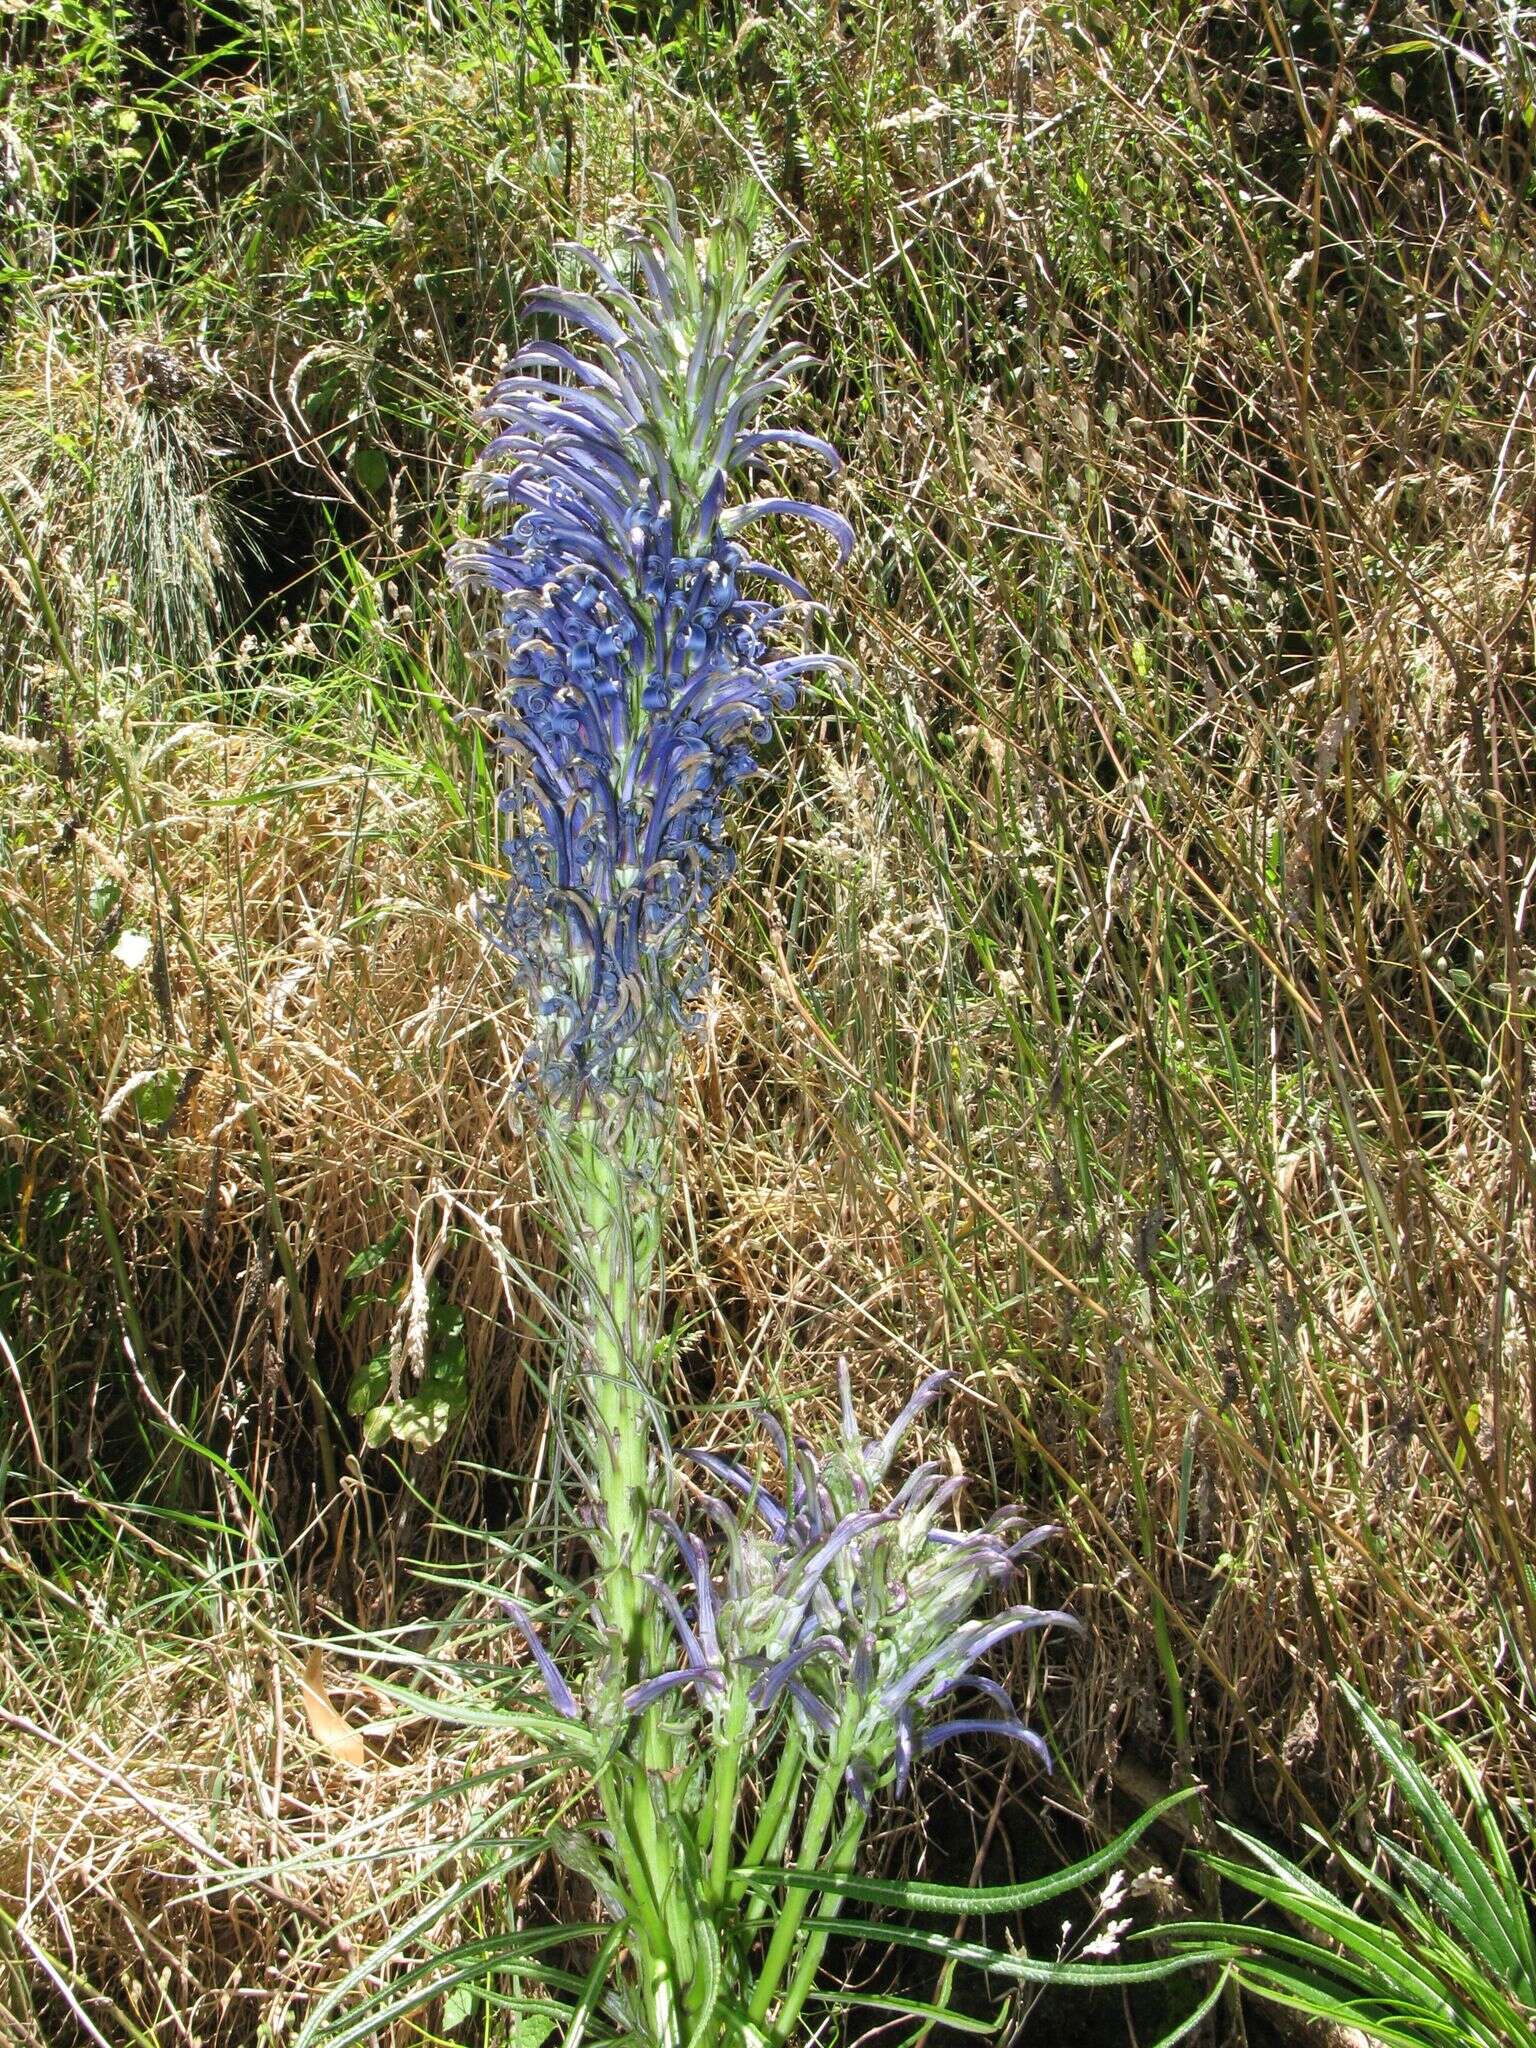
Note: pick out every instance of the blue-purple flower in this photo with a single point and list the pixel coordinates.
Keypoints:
(859, 1619)
(643, 653)
(853, 1609)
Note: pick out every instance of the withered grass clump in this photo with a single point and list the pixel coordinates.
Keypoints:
(257, 1033)
(120, 489)
(1128, 998)
(201, 1832)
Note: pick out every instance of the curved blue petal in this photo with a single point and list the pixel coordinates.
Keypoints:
(692, 1648)
(740, 516)
(692, 1552)
(1010, 1731)
(561, 1698)
(743, 1483)
(638, 1697)
(748, 445)
(968, 1681)
(969, 1643)
(927, 1393)
(773, 1681)
(815, 1711)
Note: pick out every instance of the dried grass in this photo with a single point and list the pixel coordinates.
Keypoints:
(1126, 1001)
(184, 1861)
(335, 1054)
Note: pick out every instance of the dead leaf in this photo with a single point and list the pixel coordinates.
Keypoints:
(325, 1724)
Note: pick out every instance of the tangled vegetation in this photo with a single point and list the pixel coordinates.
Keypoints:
(1125, 1001)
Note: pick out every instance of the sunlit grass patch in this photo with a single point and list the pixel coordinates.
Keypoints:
(209, 1819)
(1129, 996)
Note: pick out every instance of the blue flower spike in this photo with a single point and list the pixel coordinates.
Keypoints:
(644, 655)
(848, 1610)
(767, 1657)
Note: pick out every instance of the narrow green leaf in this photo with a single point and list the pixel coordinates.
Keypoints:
(706, 1953)
(594, 1987)
(1208, 2004)
(912, 1895)
(911, 2008)
(1305, 1991)
(1022, 1968)
(1443, 1832)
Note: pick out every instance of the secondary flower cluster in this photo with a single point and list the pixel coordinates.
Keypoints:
(859, 1620)
(639, 674)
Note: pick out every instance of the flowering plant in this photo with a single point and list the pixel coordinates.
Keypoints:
(766, 1661)
(637, 671)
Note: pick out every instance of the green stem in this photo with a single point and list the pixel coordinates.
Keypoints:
(605, 1170)
(725, 1786)
(817, 1821)
(613, 1253)
(772, 1830)
(642, 1887)
(840, 1861)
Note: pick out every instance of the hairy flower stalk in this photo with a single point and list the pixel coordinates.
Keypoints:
(773, 1659)
(641, 665)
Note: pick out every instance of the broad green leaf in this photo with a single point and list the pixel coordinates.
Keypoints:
(370, 1383)
(371, 468)
(372, 1256)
